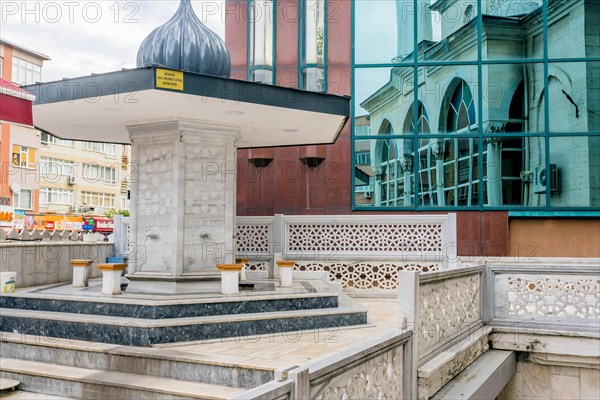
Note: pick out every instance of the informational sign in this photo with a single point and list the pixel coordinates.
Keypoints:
(29, 223)
(38, 221)
(103, 225)
(58, 222)
(6, 216)
(88, 224)
(168, 79)
(19, 219)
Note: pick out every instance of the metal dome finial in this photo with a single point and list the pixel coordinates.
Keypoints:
(185, 43)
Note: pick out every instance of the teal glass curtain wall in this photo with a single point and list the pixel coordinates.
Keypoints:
(476, 105)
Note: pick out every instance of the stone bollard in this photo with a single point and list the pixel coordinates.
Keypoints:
(285, 271)
(111, 278)
(80, 272)
(230, 278)
(244, 262)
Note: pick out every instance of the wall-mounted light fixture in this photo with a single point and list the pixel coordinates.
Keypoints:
(260, 158)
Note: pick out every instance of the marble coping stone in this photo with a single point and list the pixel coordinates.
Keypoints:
(81, 263)
(230, 267)
(144, 332)
(151, 308)
(112, 267)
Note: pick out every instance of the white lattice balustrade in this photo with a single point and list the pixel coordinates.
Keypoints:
(371, 276)
(554, 296)
(448, 309)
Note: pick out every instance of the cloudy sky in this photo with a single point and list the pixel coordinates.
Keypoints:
(84, 37)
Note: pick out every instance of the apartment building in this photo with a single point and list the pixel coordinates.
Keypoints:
(82, 177)
(20, 141)
(42, 173)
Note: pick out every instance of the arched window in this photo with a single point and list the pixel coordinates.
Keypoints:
(426, 162)
(461, 113)
(386, 168)
(457, 182)
(512, 152)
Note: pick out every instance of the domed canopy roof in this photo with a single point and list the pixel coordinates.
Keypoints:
(184, 43)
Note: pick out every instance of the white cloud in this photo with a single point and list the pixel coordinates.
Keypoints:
(84, 37)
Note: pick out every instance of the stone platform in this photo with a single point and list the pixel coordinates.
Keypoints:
(62, 311)
(217, 369)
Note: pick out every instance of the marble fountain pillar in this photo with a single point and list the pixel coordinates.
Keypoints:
(183, 199)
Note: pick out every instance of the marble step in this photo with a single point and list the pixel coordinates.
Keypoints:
(147, 332)
(83, 383)
(482, 379)
(161, 362)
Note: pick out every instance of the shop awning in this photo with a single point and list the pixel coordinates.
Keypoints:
(15, 103)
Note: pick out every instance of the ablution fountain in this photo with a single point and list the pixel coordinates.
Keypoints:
(185, 119)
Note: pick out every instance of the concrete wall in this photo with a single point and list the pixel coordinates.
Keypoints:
(542, 237)
(537, 381)
(47, 263)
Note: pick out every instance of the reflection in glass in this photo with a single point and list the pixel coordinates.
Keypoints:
(262, 75)
(313, 79)
(369, 81)
(443, 25)
(573, 97)
(312, 45)
(364, 179)
(381, 172)
(504, 163)
(261, 40)
(501, 20)
(461, 113)
(534, 162)
(375, 20)
(448, 173)
(313, 31)
(426, 162)
(455, 178)
(574, 177)
(573, 29)
(478, 152)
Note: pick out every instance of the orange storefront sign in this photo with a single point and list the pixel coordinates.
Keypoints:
(58, 222)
